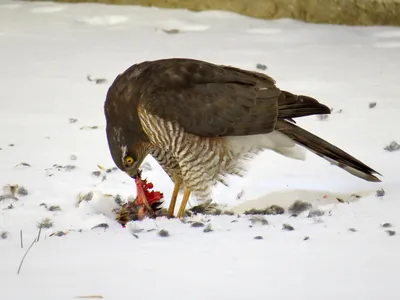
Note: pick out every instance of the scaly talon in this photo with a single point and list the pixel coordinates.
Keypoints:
(172, 204)
(185, 200)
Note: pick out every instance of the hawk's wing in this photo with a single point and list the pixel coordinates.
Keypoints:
(210, 100)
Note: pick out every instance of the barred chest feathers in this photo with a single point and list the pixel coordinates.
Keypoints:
(198, 162)
(201, 162)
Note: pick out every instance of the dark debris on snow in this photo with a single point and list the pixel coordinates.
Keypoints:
(391, 232)
(393, 146)
(270, 210)
(287, 227)
(299, 206)
(163, 233)
(380, 193)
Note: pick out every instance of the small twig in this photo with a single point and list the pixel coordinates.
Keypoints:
(22, 243)
(23, 258)
(40, 231)
(155, 223)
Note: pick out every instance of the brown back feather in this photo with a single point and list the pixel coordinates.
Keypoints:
(211, 100)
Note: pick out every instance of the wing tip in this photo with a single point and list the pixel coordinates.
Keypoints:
(367, 175)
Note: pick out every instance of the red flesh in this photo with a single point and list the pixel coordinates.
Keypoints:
(145, 197)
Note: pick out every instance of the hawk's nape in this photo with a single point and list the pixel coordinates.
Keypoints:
(202, 121)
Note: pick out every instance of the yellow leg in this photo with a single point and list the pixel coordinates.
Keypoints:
(185, 200)
(175, 193)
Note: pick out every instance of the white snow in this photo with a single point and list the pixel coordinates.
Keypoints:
(46, 52)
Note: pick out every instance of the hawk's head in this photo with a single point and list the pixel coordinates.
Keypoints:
(127, 149)
(128, 153)
(130, 161)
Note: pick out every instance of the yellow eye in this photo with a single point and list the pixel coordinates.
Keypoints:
(129, 161)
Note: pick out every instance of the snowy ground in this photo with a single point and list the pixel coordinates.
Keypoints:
(46, 52)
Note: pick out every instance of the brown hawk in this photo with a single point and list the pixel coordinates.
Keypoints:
(202, 121)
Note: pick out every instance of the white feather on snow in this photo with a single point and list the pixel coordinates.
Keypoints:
(48, 49)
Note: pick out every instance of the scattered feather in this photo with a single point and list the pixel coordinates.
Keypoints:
(58, 168)
(72, 120)
(101, 225)
(11, 145)
(254, 211)
(163, 233)
(228, 213)
(54, 208)
(89, 127)
(163, 212)
(84, 197)
(23, 164)
(274, 210)
(208, 228)
(271, 210)
(9, 206)
(22, 191)
(118, 199)
(386, 225)
(10, 189)
(69, 167)
(96, 173)
(110, 170)
(134, 228)
(352, 230)
(323, 117)
(258, 237)
(51, 208)
(299, 206)
(306, 238)
(341, 200)
(171, 31)
(206, 208)
(372, 104)
(380, 193)
(315, 213)
(45, 223)
(217, 212)
(240, 195)
(287, 227)
(257, 219)
(96, 80)
(5, 197)
(391, 232)
(261, 67)
(59, 233)
(73, 157)
(393, 146)
(197, 224)
(4, 235)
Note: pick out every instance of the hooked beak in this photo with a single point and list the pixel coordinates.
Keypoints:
(132, 174)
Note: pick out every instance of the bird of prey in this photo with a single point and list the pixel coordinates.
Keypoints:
(202, 121)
